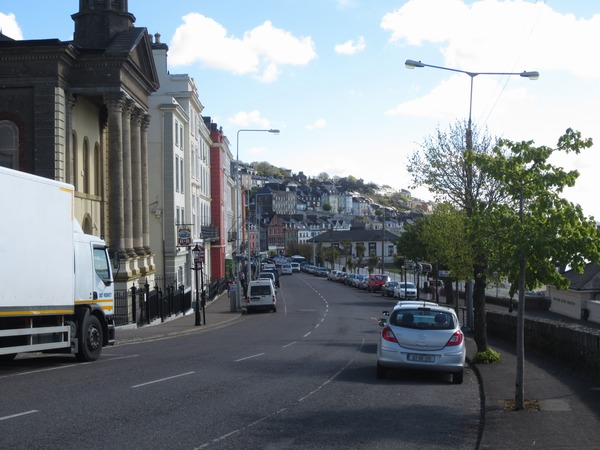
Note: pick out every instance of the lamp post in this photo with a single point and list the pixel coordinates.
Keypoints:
(532, 75)
(198, 255)
(238, 195)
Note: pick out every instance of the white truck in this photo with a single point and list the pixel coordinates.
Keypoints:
(57, 292)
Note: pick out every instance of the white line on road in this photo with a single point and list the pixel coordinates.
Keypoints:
(333, 377)
(33, 411)
(249, 357)
(307, 334)
(162, 379)
(289, 345)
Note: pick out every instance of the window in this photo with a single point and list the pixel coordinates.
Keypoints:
(176, 134)
(9, 145)
(101, 264)
(182, 178)
(176, 173)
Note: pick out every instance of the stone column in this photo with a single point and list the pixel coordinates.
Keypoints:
(69, 144)
(145, 193)
(127, 210)
(114, 103)
(136, 181)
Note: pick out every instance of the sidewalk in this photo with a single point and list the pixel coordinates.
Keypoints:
(567, 414)
(218, 314)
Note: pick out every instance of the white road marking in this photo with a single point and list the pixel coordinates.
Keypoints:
(33, 411)
(289, 345)
(249, 357)
(162, 379)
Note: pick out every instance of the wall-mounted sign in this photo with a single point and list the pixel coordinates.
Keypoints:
(184, 237)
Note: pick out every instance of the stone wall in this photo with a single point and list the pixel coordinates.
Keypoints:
(569, 344)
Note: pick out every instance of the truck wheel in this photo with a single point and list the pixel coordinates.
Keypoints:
(90, 339)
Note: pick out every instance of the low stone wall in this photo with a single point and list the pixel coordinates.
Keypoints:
(569, 344)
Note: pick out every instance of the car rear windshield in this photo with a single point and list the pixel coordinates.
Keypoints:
(422, 318)
(260, 290)
(381, 277)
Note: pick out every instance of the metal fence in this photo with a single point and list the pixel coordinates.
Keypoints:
(144, 304)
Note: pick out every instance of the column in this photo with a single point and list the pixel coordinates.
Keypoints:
(127, 213)
(136, 182)
(114, 103)
(145, 193)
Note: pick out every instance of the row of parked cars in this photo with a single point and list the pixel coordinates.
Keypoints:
(375, 283)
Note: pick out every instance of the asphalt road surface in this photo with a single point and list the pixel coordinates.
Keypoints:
(300, 378)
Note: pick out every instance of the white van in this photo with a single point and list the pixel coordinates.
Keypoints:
(261, 295)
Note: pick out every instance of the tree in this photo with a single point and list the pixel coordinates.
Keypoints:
(535, 226)
(360, 253)
(444, 165)
(372, 262)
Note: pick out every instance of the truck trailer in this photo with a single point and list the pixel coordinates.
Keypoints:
(57, 292)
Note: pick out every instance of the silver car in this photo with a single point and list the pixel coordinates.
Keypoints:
(405, 290)
(423, 336)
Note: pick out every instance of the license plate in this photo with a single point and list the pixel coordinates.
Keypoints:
(421, 358)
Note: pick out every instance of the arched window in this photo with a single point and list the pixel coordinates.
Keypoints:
(9, 145)
(97, 170)
(86, 170)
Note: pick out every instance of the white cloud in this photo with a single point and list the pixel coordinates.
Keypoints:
(483, 42)
(251, 118)
(262, 51)
(317, 124)
(350, 47)
(9, 26)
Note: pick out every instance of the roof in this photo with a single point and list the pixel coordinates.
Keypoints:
(355, 236)
(589, 280)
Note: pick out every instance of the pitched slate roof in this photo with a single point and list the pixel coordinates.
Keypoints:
(355, 236)
(589, 280)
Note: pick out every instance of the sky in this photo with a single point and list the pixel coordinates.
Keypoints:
(330, 75)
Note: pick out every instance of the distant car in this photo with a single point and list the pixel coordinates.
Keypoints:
(422, 336)
(360, 281)
(286, 269)
(274, 273)
(405, 290)
(387, 290)
(321, 272)
(376, 281)
(261, 295)
(295, 267)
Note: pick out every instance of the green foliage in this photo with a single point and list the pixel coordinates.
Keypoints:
(487, 356)
(535, 222)
(445, 234)
(372, 262)
(411, 244)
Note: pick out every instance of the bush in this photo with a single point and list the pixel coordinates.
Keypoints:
(487, 357)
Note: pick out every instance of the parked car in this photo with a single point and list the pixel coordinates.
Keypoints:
(274, 273)
(376, 281)
(321, 272)
(423, 336)
(405, 290)
(387, 290)
(261, 295)
(363, 283)
(332, 275)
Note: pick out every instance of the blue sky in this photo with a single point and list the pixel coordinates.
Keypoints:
(330, 74)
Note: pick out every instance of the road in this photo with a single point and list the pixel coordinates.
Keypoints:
(303, 377)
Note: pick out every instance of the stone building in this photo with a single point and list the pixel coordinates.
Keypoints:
(77, 112)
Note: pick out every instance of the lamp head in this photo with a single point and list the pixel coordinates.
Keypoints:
(411, 64)
(274, 131)
(533, 75)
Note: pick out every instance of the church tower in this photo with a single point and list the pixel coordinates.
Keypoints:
(98, 21)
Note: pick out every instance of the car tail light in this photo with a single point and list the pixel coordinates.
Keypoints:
(456, 339)
(388, 335)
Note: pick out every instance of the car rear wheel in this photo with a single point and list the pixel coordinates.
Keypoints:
(381, 372)
(457, 377)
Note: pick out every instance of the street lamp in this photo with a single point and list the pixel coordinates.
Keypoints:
(198, 255)
(238, 195)
(532, 75)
